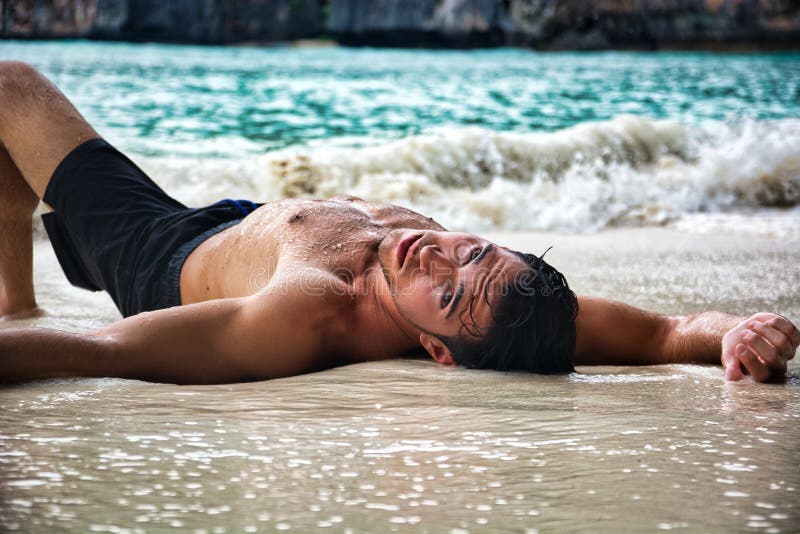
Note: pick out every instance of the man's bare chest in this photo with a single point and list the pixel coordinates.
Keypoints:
(329, 232)
(339, 236)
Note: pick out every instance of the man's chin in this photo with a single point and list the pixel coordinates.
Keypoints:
(386, 249)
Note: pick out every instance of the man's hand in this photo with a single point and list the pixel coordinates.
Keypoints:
(612, 333)
(759, 346)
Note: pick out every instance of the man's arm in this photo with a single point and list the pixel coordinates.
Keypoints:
(229, 340)
(610, 333)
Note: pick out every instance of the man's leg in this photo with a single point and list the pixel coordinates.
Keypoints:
(17, 203)
(38, 128)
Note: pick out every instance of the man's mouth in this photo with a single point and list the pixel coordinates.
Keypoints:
(404, 246)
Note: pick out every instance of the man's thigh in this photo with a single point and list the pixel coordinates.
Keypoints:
(38, 125)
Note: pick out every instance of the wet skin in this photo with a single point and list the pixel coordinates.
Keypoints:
(349, 250)
(447, 283)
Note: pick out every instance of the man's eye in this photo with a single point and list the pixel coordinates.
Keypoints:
(475, 254)
(446, 298)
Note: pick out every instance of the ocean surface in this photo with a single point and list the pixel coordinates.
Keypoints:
(481, 140)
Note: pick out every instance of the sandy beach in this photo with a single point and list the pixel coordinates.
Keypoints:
(409, 445)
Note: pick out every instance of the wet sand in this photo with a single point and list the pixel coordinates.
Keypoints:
(412, 446)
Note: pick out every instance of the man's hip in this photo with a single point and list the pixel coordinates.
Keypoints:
(114, 229)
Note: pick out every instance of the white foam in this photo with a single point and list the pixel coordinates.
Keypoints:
(626, 171)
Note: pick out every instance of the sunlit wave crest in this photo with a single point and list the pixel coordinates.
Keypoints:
(628, 171)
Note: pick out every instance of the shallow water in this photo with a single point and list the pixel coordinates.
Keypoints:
(413, 446)
(404, 446)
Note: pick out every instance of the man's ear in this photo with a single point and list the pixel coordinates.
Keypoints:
(437, 349)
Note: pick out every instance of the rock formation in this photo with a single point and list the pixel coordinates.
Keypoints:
(545, 24)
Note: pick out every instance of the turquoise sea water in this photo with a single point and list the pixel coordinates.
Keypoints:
(173, 100)
(520, 140)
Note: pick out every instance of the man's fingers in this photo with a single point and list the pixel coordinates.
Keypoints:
(784, 325)
(754, 366)
(762, 348)
(776, 338)
(733, 370)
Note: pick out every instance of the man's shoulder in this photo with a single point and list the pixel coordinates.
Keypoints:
(312, 301)
(308, 285)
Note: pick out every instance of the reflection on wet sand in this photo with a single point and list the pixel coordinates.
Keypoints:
(410, 445)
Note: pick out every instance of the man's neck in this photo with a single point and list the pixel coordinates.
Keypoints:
(381, 332)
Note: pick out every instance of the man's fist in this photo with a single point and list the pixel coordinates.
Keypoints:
(759, 346)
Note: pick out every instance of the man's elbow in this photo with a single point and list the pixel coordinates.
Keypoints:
(666, 339)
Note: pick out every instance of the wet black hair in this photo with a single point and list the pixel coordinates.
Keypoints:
(533, 325)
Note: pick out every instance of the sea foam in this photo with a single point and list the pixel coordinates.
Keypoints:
(628, 171)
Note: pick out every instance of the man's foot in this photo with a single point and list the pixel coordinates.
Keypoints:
(30, 313)
(18, 303)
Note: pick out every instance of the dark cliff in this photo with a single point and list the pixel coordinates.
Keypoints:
(546, 24)
(182, 21)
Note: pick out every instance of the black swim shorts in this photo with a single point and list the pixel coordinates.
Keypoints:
(113, 229)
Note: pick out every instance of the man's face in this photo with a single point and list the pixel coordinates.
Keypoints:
(442, 280)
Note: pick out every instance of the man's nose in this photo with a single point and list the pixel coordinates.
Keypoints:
(433, 261)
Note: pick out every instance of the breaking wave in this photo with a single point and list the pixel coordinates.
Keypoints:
(628, 171)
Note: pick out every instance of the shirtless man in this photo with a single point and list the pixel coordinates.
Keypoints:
(237, 292)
